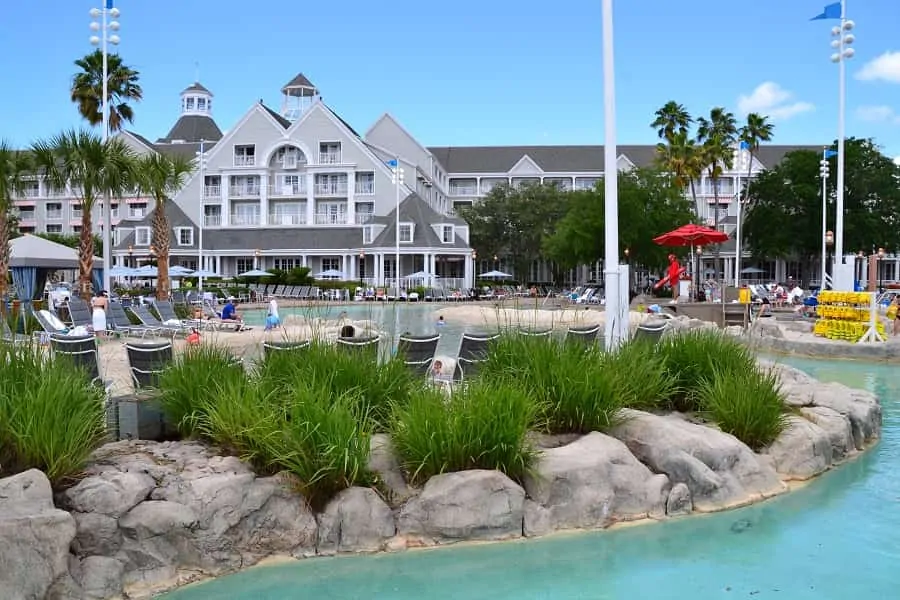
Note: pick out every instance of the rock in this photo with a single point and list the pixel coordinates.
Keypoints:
(837, 426)
(466, 505)
(545, 440)
(383, 462)
(36, 537)
(111, 493)
(356, 520)
(861, 409)
(803, 450)
(594, 482)
(679, 501)
(537, 519)
(96, 534)
(718, 469)
(100, 577)
(766, 328)
(157, 541)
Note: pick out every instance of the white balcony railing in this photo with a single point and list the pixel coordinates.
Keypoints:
(212, 191)
(329, 158)
(331, 189)
(243, 219)
(363, 218)
(365, 188)
(463, 190)
(286, 191)
(244, 191)
(54, 215)
(244, 161)
(285, 219)
(212, 221)
(31, 193)
(331, 219)
(76, 214)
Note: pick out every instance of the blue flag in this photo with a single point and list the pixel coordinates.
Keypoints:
(831, 12)
(745, 146)
(392, 163)
(109, 4)
(830, 153)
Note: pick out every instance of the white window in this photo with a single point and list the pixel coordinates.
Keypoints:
(244, 264)
(448, 235)
(137, 211)
(54, 228)
(190, 104)
(201, 104)
(76, 229)
(53, 210)
(184, 236)
(286, 264)
(142, 236)
(244, 155)
(331, 264)
(329, 153)
(368, 234)
(406, 232)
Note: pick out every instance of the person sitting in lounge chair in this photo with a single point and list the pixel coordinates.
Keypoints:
(230, 314)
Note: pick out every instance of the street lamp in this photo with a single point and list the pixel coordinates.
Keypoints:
(362, 266)
(397, 180)
(201, 165)
(861, 256)
(104, 27)
(741, 164)
(842, 44)
(827, 242)
(699, 274)
(130, 253)
(881, 269)
(256, 254)
(823, 174)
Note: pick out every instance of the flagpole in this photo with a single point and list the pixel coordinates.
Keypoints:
(613, 328)
(842, 110)
(823, 172)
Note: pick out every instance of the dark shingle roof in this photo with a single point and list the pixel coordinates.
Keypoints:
(500, 159)
(415, 210)
(176, 218)
(299, 80)
(281, 120)
(196, 87)
(193, 128)
(318, 238)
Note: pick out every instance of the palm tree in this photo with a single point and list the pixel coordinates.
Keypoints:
(672, 118)
(678, 157)
(756, 130)
(93, 169)
(716, 135)
(13, 168)
(122, 88)
(161, 177)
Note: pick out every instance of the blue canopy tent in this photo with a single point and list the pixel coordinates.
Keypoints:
(33, 258)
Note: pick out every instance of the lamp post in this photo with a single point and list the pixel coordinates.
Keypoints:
(130, 264)
(256, 254)
(104, 27)
(627, 254)
(861, 256)
(827, 242)
(699, 273)
(823, 174)
(201, 165)
(881, 270)
(362, 266)
(615, 329)
(841, 43)
(741, 164)
(397, 180)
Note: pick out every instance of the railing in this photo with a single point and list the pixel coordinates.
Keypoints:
(212, 221)
(31, 193)
(365, 188)
(330, 219)
(212, 191)
(77, 214)
(464, 190)
(296, 189)
(331, 189)
(136, 214)
(363, 218)
(244, 219)
(244, 161)
(285, 219)
(329, 158)
(244, 191)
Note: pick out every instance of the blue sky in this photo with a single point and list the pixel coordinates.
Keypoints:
(470, 72)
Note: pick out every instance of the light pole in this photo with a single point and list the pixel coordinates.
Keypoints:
(881, 254)
(397, 180)
(362, 266)
(256, 254)
(104, 27)
(841, 43)
(615, 330)
(741, 163)
(201, 164)
(827, 242)
(823, 174)
(699, 280)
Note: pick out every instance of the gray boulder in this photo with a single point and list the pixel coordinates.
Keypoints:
(718, 469)
(356, 520)
(383, 462)
(466, 505)
(592, 482)
(679, 501)
(838, 428)
(803, 450)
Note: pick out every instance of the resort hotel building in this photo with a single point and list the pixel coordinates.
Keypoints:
(297, 186)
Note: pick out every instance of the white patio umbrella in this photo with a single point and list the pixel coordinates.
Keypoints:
(495, 275)
(255, 273)
(330, 274)
(421, 275)
(121, 272)
(146, 271)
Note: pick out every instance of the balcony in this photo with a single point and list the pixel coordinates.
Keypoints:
(244, 191)
(287, 191)
(464, 190)
(245, 220)
(76, 214)
(363, 218)
(244, 161)
(331, 189)
(329, 158)
(212, 191)
(331, 219)
(31, 193)
(364, 188)
(287, 220)
(212, 221)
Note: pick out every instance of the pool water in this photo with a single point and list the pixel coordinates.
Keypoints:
(836, 538)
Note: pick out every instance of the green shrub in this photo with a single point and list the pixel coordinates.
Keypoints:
(51, 415)
(696, 356)
(196, 377)
(746, 403)
(483, 426)
(644, 379)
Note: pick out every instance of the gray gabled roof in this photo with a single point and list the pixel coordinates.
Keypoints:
(339, 239)
(416, 211)
(196, 87)
(176, 218)
(500, 159)
(193, 128)
(299, 80)
(281, 120)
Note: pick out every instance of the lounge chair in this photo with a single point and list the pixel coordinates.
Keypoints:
(149, 320)
(418, 351)
(7, 335)
(285, 346)
(147, 361)
(168, 315)
(80, 314)
(473, 349)
(82, 351)
(537, 333)
(583, 335)
(363, 345)
(650, 332)
(117, 322)
(50, 323)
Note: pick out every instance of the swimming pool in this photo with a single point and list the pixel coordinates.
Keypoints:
(837, 538)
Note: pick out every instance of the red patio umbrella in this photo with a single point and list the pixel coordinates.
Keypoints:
(691, 235)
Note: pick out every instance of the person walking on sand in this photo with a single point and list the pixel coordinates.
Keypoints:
(272, 318)
(100, 304)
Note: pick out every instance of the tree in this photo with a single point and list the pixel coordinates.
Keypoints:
(13, 168)
(650, 204)
(122, 88)
(513, 221)
(784, 216)
(92, 169)
(671, 119)
(162, 176)
(755, 130)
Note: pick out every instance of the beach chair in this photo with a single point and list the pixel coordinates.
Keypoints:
(583, 335)
(473, 350)
(650, 332)
(365, 346)
(50, 323)
(149, 320)
(536, 333)
(284, 346)
(146, 361)
(417, 351)
(80, 314)
(117, 322)
(167, 313)
(7, 335)
(82, 351)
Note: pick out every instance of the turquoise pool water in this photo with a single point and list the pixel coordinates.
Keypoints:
(837, 538)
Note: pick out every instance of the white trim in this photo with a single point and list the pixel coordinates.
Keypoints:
(412, 232)
(452, 232)
(402, 129)
(148, 230)
(278, 145)
(507, 175)
(526, 160)
(630, 162)
(226, 139)
(133, 137)
(178, 231)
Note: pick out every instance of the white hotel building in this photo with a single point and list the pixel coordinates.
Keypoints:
(300, 187)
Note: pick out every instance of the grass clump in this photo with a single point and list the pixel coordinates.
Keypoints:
(51, 414)
(747, 404)
(483, 426)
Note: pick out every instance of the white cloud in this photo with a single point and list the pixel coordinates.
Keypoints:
(882, 68)
(771, 100)
(878, 114)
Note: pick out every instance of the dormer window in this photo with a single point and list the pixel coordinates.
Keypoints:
(406, 233)
(189, 104)
(448, 234)
(368, 234)
(201, 104)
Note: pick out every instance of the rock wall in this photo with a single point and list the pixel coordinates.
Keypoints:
(149, 516)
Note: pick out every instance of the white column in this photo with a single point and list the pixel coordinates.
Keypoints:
(310, 199)
(226, 213)
(431, 263)
(351, 197)
(263, 200)
(468, 275)
(379, 268)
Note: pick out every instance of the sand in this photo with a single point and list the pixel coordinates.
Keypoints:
(491, 317)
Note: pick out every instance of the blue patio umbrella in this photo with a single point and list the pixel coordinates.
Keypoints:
(255, 273)
(121, 272)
